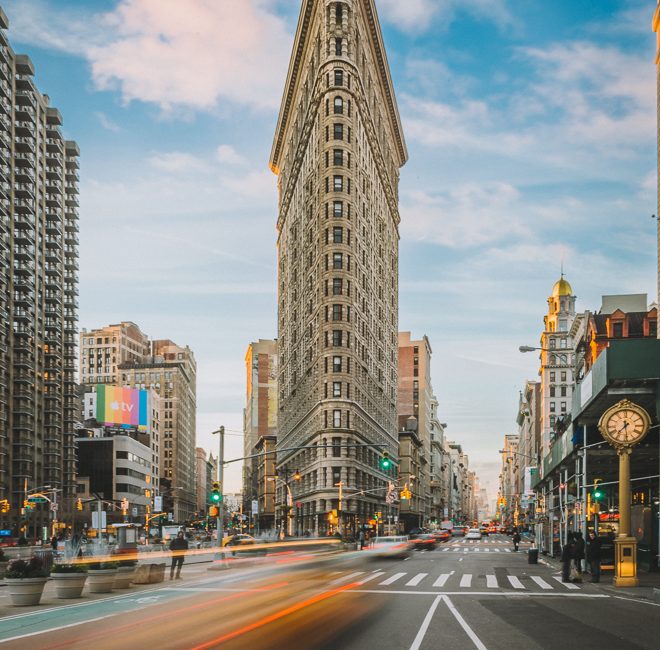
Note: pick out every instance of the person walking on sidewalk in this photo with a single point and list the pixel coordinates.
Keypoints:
(178, 546)
(567, 554)
(361, 540)
(516, 539)
(593, 556)
(578, 553)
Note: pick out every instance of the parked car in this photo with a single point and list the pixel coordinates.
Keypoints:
(473, 533)
(390, 546)
(423, 542)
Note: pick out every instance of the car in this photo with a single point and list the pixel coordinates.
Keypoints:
(458, 531)
(238, 540)
(442, 535)
(424, 542)
(391, 546)
(473, 533)
(502, 530)
(484, 530)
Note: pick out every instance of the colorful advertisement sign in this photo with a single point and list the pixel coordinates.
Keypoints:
(123, 407)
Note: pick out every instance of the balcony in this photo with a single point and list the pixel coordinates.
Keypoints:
(24, 144)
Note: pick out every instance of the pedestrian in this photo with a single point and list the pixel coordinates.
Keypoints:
(593, 556)
(579, 553)
(566, 558)
(516, 539)
(361, 540)
(53, 542)
(178, 546)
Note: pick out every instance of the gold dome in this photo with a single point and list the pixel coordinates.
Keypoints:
(562, 288)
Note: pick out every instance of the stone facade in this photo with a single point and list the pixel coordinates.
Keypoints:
(337, 152)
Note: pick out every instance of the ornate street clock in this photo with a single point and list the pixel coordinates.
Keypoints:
(625, 424)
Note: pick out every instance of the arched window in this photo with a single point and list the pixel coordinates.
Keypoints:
(339, 105)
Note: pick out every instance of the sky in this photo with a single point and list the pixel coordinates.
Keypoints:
(531, 132)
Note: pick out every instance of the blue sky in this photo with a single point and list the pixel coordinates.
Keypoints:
(531, 131)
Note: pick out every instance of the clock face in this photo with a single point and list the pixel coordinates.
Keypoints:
(625, 424)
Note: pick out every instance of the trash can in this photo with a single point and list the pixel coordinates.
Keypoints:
(46, 557)
(533, 556)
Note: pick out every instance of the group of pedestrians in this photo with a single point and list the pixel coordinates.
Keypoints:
(573, 554)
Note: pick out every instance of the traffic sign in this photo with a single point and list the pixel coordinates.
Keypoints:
(37, 499)
(255, 507)
(53, 506)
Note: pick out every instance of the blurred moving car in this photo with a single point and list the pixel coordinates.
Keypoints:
(390, 546)
(484, 530)
(442, 535)
(423, 542)
(238, 540)
(473, 533)
(458, 531)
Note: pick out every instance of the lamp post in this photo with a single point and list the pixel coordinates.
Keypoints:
(286, 508)
(220, 527)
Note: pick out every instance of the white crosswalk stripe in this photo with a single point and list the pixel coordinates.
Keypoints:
(568, 585)
(392, 579)
(372, 577)
(416, 580)
(440, 582)
(541, 582)
(453, 580)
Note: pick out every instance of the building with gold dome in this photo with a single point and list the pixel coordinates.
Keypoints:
(557, 362)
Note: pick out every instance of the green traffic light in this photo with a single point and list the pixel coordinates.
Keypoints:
(598, 495)
(215, 497)
(385, 463)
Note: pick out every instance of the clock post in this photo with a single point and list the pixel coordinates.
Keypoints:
(624, 425)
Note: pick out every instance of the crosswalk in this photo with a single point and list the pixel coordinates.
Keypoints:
(473, 549)
(451, 581)
(501, 542)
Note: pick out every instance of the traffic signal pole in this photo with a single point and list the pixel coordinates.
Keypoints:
(221, 470)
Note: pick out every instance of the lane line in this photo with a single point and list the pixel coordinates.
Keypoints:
(468, 630)
(491, 582)
(541, 582)
(515, 582)
(392, 579)
(417, 643)
(56, 629)
(416, 580)
(568, 585)
(466, 580)
(440, 582)
(507, 594)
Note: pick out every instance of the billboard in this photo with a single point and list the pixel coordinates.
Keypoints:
(123, 407)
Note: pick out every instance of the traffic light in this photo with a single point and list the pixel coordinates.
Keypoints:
(79, 505)
(385, 461)
(215, 496)
(5, 507)
(213, 511)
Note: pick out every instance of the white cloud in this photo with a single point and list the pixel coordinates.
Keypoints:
(225, 153)
(417, 15)
(107, 123)
(177, 161)
(463, 216)
(192, 55)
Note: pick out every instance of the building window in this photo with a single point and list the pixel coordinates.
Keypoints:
(337, 338)
(563, 407)
(553, 344)
(563, 375)
(338, 157)
(552, 376)
(338, 209)
(336, 422)
(338, 183)
(552, 407)
(552, 391)
(336, 312)
(563, 391)
(336, 389)
(617, 330)
(337, 261)
(336, 364)
(337, 235)
(338, 130)
(339, 77)
(337, 286)
(338, 42)
(339, 106)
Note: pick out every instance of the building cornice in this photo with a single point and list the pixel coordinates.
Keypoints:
(300, 43)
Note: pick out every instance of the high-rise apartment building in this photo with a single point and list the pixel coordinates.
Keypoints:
(103, 350)
(260, 430)
(206, 471)
(171, 371)
(38, 293)
(337, 152)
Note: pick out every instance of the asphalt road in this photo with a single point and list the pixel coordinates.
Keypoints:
(462, 595)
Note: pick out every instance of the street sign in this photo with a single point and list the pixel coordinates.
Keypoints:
(299, 504)
(170, 516)
(95, 519)
(134, 512)
(158, 504)
(255, 507)
(37, 500)
(53, 506)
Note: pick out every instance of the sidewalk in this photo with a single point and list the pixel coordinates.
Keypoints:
(647, 581)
